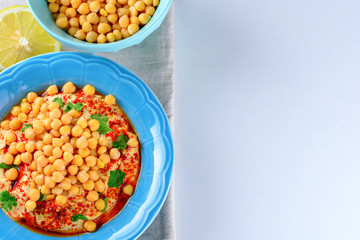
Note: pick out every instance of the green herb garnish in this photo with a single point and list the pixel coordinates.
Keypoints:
(7, 201)
(59, 101)
(7, 167)
(102, 119)
(70, 106)
(42, 197)
(25, 126)
(116, 178)
(76, 217)
(121, 142)
(106, 203)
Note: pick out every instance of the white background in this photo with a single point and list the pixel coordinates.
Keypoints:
(267, 125)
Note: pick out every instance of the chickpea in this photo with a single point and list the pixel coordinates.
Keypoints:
(31, 97)
(148, 2)
(59, 165)
(133, 28)
(82, 176)
(39, 101)
(90, 161)
(103, 13)
(99, 164)
(100, 204)
(133, 142)
(15, 124)
(101, 38)
(94, 175)
(30, 147)
(47, 139)
(66, 119)
(42, 161)
(73, 22)
(65, 139)
(156, 3)
(113, 18)
(92, 196)
(57, 142)
(53, 105)
(77, 161)
(51, 159)
(47, 123)
(34, 194)
(73, 141)
(32, 166)
(38, 126)
(48, 149)
(74, 190)
(72, 30)
(90, 226)
(5, 125)
(93, 18)
(45, 190)
(57, 177)
(124, 21)
(62, 9)
(99, 186)
(150, 10)
(40, 179)
(103, 141)
(70, 13)
(68, 157)
(65, 184)
(86, 27)
(123, 12)
(84, 9)
(49, 170)
(88, 185)
(82, 122)
(34, 174)
(102, 150)
(26, 157)
(84, 152)
(53, 7)
(92, 143)
(12, 148)
(36, 110)
(12, 174)
(102, 28)
(86, 135)
(57, 191)
(94, 6)
(110, 8)
(30, 205)
(82, 143)
(75, 3)
(144, 18)
(117, 35)
(73, 179)
(55, 114)
(61, 22)
(61, 200)
(17, 160)
(133, 11)
(10, 138)
(128, 190)
(65, 131)
(73, 170)
(22, 117)
(39, 145)
(55, 133)
(81, 35)
(110, 37)
(77, 131)
(91, 36)
(105, 158)
(57, 152)
(67, 147)
(125, 33)
(140, 6)
(30, 134)
(115, 153)
(20, 146)
(8, 158)
(110, 100)
(131, 2)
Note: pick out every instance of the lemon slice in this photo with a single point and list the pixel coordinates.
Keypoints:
(22, 37)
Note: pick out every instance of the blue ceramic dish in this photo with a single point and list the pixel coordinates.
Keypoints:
(143, 110)
(44, 17)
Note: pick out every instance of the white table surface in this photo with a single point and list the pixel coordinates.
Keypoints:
(267, 124)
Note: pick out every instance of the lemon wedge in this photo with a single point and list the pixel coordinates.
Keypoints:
(22, 37)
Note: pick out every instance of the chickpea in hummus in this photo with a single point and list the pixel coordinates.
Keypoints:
(69, 160)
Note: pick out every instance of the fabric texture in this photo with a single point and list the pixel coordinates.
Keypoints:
(153, 62)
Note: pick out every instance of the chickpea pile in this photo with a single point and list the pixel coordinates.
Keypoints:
(64, 150)
(102, 21)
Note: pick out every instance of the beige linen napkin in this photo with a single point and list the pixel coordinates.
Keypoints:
(153, 61)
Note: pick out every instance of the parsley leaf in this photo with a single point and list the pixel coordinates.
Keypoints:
(59, 101)
(42, 197)
(76, 217)
(102, 119)
(106, 203)
(7, 167)
(121, 142)
(7, 201)
(116, 178)
(70, 106)
(25, 126)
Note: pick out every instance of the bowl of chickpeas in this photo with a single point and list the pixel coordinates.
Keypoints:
(85, 153)
(100, 25)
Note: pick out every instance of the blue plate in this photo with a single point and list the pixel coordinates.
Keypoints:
(141, 106)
